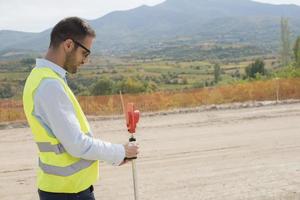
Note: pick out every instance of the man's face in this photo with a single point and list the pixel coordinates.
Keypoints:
(78, 55)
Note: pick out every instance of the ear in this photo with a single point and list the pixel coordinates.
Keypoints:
(68, 45)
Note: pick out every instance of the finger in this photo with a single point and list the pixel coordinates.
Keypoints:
(132, 154)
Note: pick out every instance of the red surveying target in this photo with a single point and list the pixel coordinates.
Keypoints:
(132, 117)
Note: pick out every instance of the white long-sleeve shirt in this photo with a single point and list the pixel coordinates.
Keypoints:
(54, 110)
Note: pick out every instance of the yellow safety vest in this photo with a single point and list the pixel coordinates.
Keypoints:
(58, 170)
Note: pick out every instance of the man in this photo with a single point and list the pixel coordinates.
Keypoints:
(68, 153)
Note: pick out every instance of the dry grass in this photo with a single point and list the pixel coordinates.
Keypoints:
(11, 110)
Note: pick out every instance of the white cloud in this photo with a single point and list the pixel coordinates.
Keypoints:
(297, 2)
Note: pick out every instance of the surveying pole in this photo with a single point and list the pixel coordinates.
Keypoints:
(132, 117)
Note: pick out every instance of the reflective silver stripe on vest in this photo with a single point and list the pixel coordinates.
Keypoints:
(48, 147)
(55, 148)
(65, 171)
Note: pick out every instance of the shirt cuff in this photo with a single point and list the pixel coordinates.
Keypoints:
(120, 154)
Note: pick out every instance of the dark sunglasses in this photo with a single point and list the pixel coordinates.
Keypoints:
(82, 46)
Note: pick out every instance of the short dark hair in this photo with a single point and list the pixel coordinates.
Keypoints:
(70, 28)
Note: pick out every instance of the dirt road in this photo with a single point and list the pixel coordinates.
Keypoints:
(250, 153)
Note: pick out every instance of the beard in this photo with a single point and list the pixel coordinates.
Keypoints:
(70, 64)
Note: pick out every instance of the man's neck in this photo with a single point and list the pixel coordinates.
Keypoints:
(54, 57)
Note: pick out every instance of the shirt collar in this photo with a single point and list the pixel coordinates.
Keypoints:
(40, 62)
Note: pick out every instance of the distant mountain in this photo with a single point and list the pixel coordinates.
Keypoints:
(173, 23)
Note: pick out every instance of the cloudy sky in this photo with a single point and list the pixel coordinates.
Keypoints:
(37, 15)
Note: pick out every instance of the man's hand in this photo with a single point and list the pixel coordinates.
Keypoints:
(131, 151)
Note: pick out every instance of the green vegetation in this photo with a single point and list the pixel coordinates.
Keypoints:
(258, 67)
(297, 52)
(103, 86)
(285, 42)
(105, 76)
(6, 91)
(217, 72)
(135, 74)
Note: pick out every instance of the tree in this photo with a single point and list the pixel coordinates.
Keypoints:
(152, 86)
(236, 74)
(28, 61)
(74, 85)
(297, 52)
(131, 85)
(258, 67)
(285, 42)
(217, 72)
(6, 91)
(103, 86)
